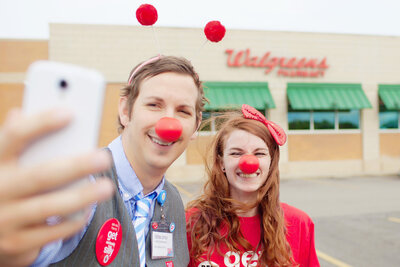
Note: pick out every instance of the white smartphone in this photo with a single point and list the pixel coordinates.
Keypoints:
(52, 84)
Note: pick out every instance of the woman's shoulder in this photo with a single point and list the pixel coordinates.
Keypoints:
(294, 215)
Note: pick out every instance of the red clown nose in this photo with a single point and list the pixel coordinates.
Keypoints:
(169, 129)
(248, 164)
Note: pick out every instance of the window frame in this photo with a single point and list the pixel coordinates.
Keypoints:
(390, 129)
(382, 108)
(318, 131)
(214, 113)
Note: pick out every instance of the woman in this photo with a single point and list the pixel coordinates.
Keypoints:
(239, 220)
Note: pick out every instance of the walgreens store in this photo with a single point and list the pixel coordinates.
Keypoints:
(337, 96)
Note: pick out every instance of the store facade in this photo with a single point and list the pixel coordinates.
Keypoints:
(336, 96)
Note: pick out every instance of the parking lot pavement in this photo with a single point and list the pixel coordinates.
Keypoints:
(357, 219)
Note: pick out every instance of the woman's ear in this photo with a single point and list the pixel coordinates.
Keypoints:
(222, 165)
(123, 110)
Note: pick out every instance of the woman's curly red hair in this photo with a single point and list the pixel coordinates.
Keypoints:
(215, 208)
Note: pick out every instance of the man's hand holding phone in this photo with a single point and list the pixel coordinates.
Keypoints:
(31, 193)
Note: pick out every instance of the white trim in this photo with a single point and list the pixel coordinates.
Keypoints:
(305, 132)
(328, 131)
(207, 133)
(212, 121)
(389, 130)
(337, 119)
(12, 77)
(311, 120)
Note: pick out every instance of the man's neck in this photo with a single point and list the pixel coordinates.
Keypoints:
(149, 176)
(149, 180)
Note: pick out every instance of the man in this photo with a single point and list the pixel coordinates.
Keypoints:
(160, 87)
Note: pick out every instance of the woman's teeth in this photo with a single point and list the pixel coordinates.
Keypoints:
(244, 175)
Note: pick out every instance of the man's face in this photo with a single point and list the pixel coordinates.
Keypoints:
(165, 95)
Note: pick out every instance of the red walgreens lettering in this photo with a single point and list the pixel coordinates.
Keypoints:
(244, 58)
(300, 73)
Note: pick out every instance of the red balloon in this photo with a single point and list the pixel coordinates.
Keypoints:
(248, 164)
(214, 31)
(146, 14)
(169, 129)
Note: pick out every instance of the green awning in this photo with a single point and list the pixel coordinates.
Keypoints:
(231, 95)
(390, 95)
(326, 96)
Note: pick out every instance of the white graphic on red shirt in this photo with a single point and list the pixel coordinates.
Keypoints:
(248, 259)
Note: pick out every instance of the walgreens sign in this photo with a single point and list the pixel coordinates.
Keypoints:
(288, 67)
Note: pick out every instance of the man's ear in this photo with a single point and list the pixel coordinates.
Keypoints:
(194, 135)
(123, 110)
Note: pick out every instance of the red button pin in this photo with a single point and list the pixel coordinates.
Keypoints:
(154, 225)
(108, 241)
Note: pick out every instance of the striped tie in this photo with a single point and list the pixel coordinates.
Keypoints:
(141, 213)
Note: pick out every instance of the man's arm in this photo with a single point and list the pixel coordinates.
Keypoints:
(30, 195)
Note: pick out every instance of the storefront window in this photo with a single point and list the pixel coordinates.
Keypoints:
(299, 120)
(324, 120)
(389, 120)
(212, 120)
(206, 124)
(349, 119)
(218, 120)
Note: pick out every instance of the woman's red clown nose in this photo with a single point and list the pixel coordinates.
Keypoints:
(248, 164)
(169, 129)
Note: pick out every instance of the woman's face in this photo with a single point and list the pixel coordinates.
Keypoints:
(243, 186)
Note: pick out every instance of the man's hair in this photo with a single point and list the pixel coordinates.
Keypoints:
(162, 65)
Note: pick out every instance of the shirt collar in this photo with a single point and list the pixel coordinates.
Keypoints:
(129, 183)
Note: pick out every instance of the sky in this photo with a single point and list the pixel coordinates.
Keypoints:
(29, 19)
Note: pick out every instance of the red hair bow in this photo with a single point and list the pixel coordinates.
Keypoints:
(276, 131)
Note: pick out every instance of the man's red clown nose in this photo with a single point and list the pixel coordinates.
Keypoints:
(169, 129)
(248, 164)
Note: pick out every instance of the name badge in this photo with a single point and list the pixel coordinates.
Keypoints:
(162, 242)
